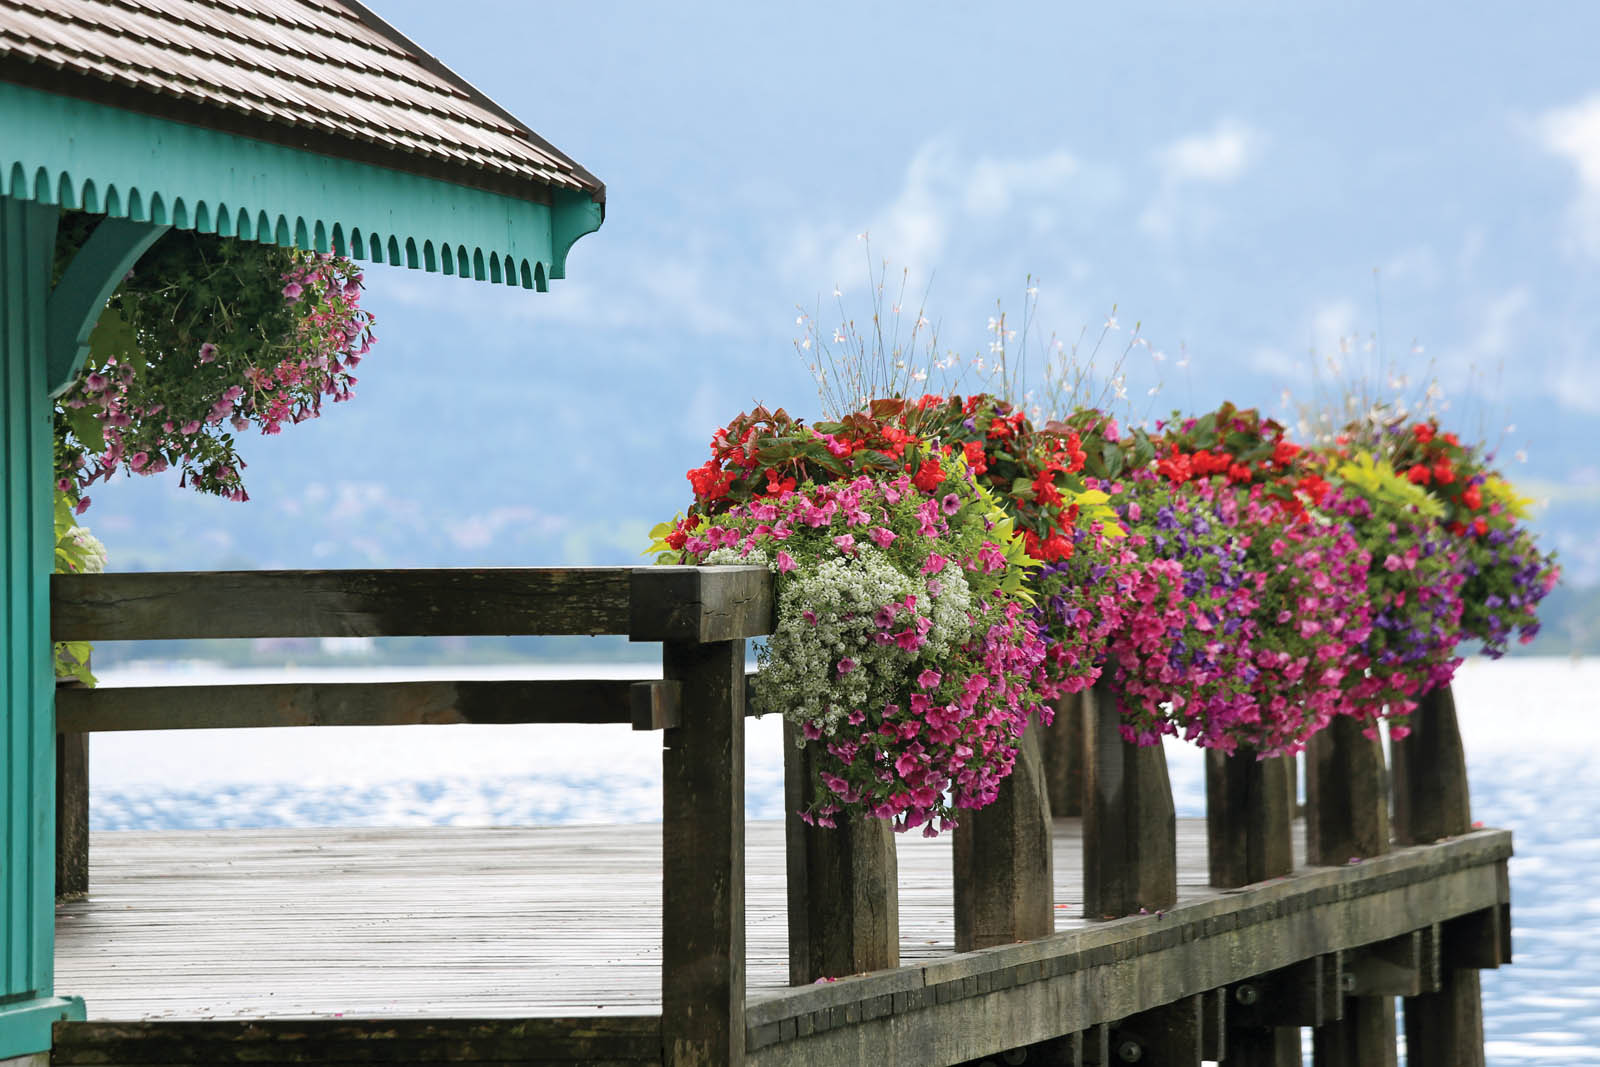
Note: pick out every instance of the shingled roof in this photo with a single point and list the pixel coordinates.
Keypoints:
(327, 76)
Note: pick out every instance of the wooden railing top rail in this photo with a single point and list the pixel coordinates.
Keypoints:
(698, 604)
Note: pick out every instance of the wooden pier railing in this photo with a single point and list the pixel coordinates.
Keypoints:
(1162, 974)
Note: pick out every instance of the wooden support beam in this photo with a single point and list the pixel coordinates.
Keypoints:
(1214, 1025)
(843, 891)
(1062, 744)
(1431, 799)
(1169, 1035)
(1264, 1047)
(700, 604)
(1479, 940)
(644, 704)
(1247, 818)
(176, 605)
(542, 1042)
(1364, 1037)
(1445, 1029)
(72, 816)
(1004, 869)
(1432, 802)
(1096, 1046)
(702, 875)
(1347, 795)
(1293, 996)
(1401, 966)
(1130, 849)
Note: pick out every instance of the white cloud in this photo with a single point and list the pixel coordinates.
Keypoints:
(946, 196)
(1574, 134)
(995, 184)
(1222, 155)
(1219, 156)
(479, 531)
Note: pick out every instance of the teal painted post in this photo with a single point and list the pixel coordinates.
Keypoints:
(27, 729)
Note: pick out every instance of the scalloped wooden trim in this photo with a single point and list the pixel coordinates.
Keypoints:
(76, 154)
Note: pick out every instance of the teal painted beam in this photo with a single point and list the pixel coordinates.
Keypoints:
(25, 1027)
(75, 303)
(27, 682)
(76, 154)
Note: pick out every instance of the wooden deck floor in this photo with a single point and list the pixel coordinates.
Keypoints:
(442, 922)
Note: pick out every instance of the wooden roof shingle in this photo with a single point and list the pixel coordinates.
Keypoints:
(324, 75)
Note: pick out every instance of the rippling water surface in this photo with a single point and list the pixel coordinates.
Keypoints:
(1532, 736)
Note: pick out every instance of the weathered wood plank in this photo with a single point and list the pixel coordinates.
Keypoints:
(208, 707)
(703, 862)
(1395, 967)
(1264, 1047)
(843, 883)
(171, 605)
(1290, 996)
(1130, 858)
(1445, 1029)
(1431, 799)
(1003, 868)
(1171, 1034)
(485, 922)
(1347, 795)
(1432, 802)
(1062, 745)
(700, 603)
(569, 1041)
(1364, 1037)
(1247, 818)
(72, 810)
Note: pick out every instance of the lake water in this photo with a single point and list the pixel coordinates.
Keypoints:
(1530, 727)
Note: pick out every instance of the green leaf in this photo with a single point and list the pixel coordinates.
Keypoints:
(1111, 456)
(86, 428)
(112, 336)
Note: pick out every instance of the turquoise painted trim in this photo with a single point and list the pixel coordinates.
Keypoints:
(27, 683)
(78, 298)
(76, 154)
(25, 1026)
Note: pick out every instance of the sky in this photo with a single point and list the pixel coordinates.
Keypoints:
(1261, 188)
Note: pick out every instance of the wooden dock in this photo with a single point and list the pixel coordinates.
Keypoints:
(1116, 935)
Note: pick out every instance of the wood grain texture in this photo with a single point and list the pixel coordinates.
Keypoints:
(1432, 803)
(513, 922)
(1002, 859)
(1248, 815)
(1168, 1035)
(1445, 1029)
(1364, 1037)
(1062, 745)
(700, 603)
(478, 601)
(703, 859)
(208, 707)
(1431, 799)
(616, 1039)
(1130, 852)
(843, 883)
(72, 815)
(1347, 795)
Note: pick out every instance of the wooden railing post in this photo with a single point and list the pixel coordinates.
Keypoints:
(702, 877)
(1130, 828)
(72, 816)
(1062, 746)
(1431, 802)
(1247, 818)
(1347, 818)
(844, 896)
(1004, 866)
